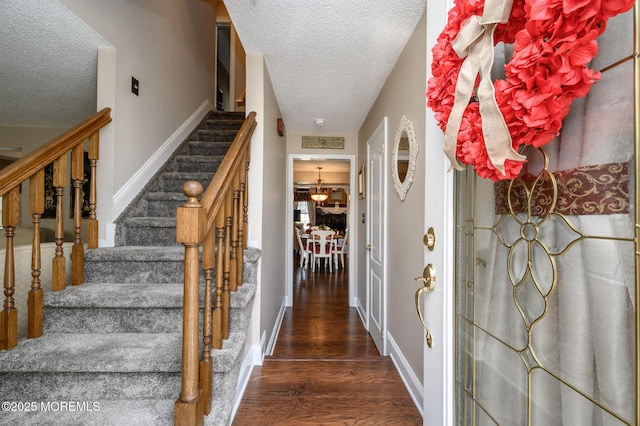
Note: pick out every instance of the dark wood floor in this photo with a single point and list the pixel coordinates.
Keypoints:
(325, 369)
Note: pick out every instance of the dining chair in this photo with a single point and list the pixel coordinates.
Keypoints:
(304, 250)
(340, 248)
(321, 246)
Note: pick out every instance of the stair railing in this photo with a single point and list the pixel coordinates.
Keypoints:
(32, 168)
(218, 222)
(241, 99)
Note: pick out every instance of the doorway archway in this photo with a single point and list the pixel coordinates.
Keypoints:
(326, 159)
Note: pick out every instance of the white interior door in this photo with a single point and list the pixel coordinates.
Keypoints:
(376, 282)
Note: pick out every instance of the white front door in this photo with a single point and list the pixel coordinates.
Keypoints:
(376, 287)
(438, 305)
(545, 310)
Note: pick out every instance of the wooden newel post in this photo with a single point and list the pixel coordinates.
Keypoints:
(191, 221)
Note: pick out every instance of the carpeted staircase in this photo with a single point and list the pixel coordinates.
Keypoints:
(111, 350)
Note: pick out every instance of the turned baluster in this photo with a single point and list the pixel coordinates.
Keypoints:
(9, 315)
(190, 232)
(241, 246)
(59, 276)
(35, 301)
(206, 363)
(226, 296)
(92, 225)
(217, 310)
(77, 250)
(245, 201)
(235, 214)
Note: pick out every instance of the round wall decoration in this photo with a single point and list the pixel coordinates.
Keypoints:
(405, 154)
(486, 122)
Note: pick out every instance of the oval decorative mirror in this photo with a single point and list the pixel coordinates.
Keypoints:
(404, 157)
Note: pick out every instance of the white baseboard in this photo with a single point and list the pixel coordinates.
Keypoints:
(253, 358)
(411, 381)
(129, 190)
(110, 237)
(362, 312)
(276, 328)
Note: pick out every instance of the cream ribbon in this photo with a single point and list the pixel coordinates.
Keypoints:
(475, 43)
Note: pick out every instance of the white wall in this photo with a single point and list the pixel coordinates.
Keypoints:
(402, 93)
(267, 205)
(294, 143)
(169, 46)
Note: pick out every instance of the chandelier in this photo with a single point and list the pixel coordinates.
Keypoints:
(319, 193)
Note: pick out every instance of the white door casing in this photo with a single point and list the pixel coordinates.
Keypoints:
(351, 248)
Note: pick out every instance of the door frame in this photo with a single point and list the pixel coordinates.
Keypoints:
(353, 241)
(438, 307)
(226, 21)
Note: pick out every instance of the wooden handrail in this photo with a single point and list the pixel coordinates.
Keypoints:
(240, 100)
(212, 199)
(31, 167)
(19, 171)
(217, 222)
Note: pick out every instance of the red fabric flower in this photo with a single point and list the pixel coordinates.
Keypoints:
(554, 41)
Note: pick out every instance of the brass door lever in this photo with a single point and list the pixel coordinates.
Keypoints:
(428, 279)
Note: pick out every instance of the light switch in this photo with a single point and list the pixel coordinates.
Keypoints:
(135, 86)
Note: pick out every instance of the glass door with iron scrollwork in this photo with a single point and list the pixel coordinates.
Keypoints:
(546, 316)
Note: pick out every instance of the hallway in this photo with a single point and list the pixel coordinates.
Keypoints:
(325, 368)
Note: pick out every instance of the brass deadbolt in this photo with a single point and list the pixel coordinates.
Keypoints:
(429, 239)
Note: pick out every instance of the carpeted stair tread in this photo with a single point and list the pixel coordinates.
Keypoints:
(208, 148)
(196, 163)
(226, 123)
(123, 295)
(99, 353)
(166, 196)
(174, 181)
(205, 144)
(150, 222)
(215, 135)
(231, 132)
(136, 253)
(200, 158)
(146, 412)
(251, 255)
(112, 353)
(215, 114)
(242, 296)
(188, 175)
(107, 295)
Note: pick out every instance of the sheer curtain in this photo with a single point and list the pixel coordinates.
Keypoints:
(311, 209)
(583, 332)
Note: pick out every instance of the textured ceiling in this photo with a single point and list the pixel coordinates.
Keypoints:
(42, 44)
(326, 59)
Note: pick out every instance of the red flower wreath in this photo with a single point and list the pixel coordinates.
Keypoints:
(553, 42)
